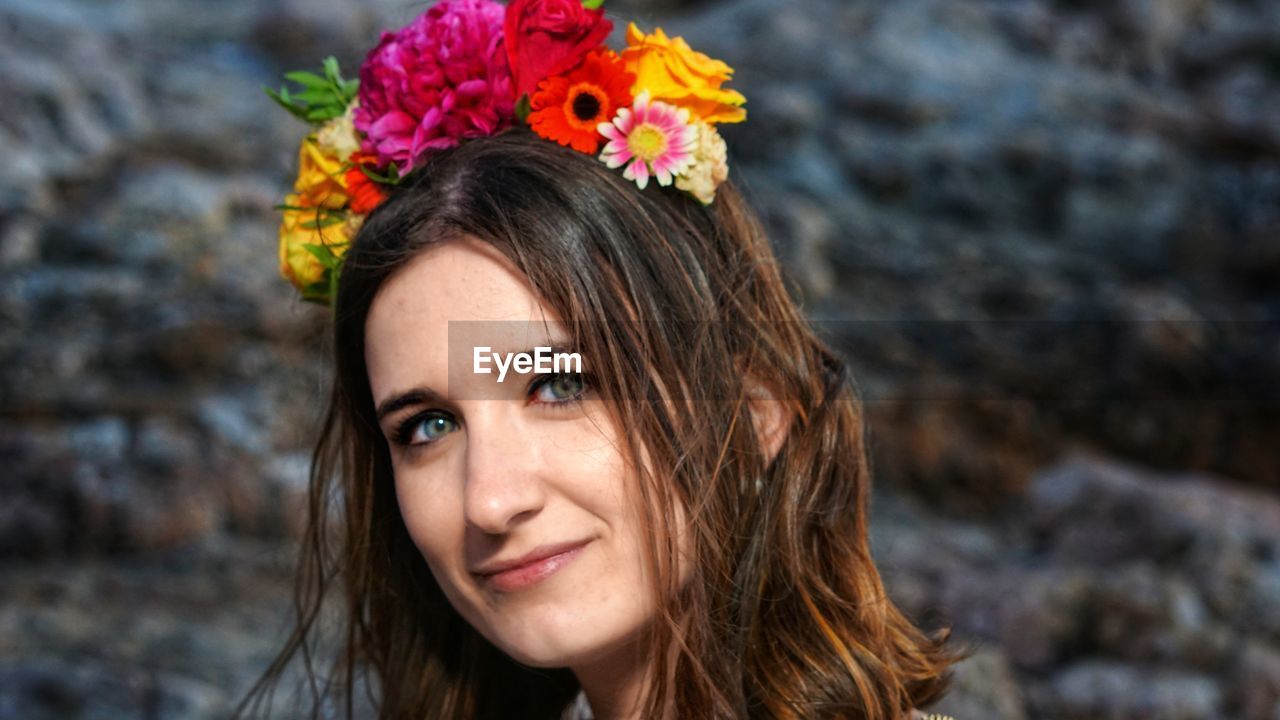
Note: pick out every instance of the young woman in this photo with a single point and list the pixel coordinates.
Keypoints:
(679, 530)
(674, 528)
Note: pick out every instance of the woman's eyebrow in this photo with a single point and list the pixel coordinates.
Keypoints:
(550, 348)
(416, 396)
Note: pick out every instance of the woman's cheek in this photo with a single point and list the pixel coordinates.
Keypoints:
(425, 509)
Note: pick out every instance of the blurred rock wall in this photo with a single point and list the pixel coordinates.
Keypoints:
(1035, 227)
(1029, 222)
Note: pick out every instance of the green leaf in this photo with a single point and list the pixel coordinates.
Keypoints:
(321, 222)
(283, 99)
(592, 4)
(323, 113)
(522, 108)
(314, 97)
(320, 292)
(321, 98)
(323, 254)
(344, 89)
(392, 176)
(307, 79)
(331, 70)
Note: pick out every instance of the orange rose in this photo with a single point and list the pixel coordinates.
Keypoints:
(675, 73)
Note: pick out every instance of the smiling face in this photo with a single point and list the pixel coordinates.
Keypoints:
(516, 493)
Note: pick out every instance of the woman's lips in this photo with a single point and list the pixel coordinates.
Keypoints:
(526, 574)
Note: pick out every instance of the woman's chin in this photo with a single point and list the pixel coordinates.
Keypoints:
(547, 654)
(549, 649)
(551, 646)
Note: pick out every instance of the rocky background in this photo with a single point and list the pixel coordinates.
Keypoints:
(1046, 232)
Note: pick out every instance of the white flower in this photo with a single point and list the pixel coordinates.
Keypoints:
(710, 165)
(338, 136)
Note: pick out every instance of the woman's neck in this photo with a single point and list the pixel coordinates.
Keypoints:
(615, 685)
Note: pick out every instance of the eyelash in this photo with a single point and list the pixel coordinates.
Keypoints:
(542, 381)
(404, 432)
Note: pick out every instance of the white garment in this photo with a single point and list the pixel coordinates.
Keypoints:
(579, 709)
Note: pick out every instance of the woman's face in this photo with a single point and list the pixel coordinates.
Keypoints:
(515, 492)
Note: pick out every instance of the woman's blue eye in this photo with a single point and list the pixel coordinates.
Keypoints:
(426, 429)
(560, 388)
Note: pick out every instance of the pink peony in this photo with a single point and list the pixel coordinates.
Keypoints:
(439, 79)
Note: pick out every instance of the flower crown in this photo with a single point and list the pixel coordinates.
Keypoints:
(474, 68)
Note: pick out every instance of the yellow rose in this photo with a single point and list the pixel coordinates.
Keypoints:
(675, 73)
(321, 174)
(302, 225)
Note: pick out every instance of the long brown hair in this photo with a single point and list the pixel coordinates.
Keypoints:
(674, 304)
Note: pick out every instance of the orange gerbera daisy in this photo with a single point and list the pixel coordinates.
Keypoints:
(567, 108)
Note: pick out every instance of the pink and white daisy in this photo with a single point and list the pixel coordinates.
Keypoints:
(650, 138)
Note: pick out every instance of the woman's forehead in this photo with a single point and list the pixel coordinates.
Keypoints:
(455, 294)
(466, 275)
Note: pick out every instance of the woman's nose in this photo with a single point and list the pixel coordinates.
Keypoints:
(503, 485)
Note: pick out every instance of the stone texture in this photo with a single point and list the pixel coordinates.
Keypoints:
(1110, 691)
(985, 687)
(1107, 591)
(1032, 226)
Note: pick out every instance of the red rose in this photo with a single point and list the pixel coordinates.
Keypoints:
(548, 37)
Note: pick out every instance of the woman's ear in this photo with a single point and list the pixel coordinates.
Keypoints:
(769, 415)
